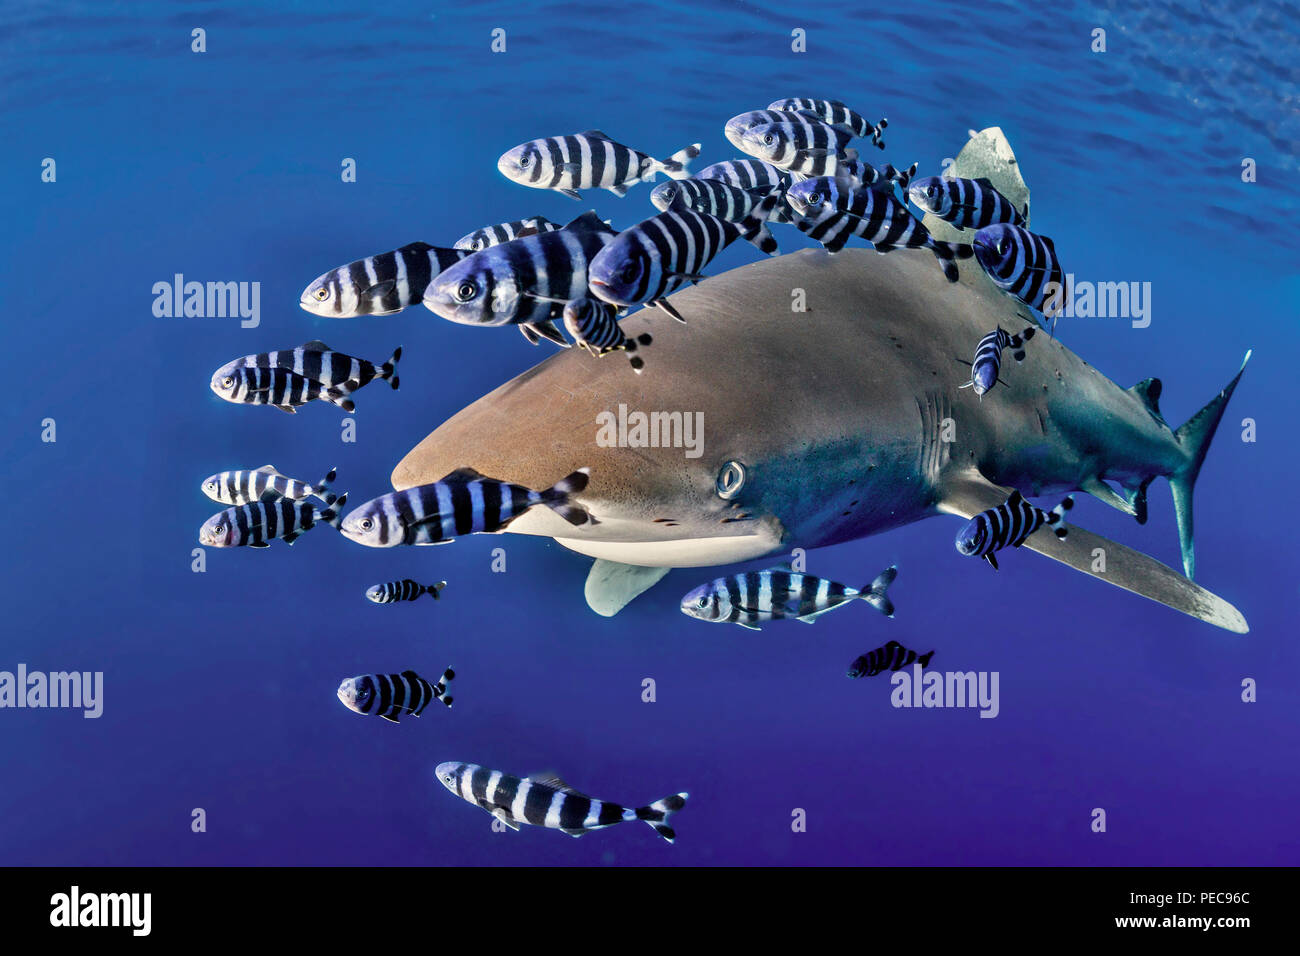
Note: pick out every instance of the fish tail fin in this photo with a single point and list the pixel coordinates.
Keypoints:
(339, 396)
(1056, 517)
(557, 498)
(947, 254)
(388, 371)
(902, 177)
(878, 132)
(676, 165)
(436, 588)
(874, 593)
(754, 226)
(1195, 436)
(322, 489)
(660, 812)
(924, 659)
(333, 515)
(444, 684)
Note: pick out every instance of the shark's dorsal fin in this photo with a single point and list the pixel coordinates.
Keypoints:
(967, 494)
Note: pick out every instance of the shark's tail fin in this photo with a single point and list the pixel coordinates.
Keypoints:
(1195, 436)
(874, 593)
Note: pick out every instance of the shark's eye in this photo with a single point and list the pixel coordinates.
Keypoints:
(731, 478)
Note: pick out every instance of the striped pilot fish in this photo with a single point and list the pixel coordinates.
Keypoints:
(378, 285)
(463, 502)
(988, 357)
(1010, 523)
(265, 483)
(721, 199)
(834, 113)
(317, 361)
(1024, 265)
(593, 324)
(752, 174)
(800, 144)
(258, 523)
(831, 211)
(966, 203)
(524, 281)
(661, 254)
(587, 160)
(388, 695)
(481, 239)
(403, 590)
(740, 124)
(277, 387)
(892, 656)
(777, 593)
(547, 801)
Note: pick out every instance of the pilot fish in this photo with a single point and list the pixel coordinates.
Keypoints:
(380, 284)
(462, 502)
(587, 160)
(753, 596)
(547, 801)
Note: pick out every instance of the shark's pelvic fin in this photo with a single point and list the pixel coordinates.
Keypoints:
(969, 494)
(611, 586)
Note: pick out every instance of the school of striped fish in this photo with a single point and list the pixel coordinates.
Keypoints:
(582, 277)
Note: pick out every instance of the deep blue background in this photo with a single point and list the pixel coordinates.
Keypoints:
(220, 686)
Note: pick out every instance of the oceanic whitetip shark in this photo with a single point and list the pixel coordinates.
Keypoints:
(829, 425)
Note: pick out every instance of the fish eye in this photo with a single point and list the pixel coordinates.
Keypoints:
(1001, 247)
(466, 291)
(768, 139)
(932, 191)
(814, 199)
(731, 478)
(524, 160)
(227, 382)
(366, 524)
(322, 294)
(476, 245)
(212, 485)
(702, 602)
(630, 270)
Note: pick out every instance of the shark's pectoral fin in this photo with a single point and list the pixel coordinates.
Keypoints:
(611, 586)
(1106, 560)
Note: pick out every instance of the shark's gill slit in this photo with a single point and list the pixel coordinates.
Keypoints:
(731, 479)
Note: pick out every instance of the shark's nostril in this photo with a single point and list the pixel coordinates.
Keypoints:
(731, 478)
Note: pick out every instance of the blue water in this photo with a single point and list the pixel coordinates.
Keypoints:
(219, 686)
